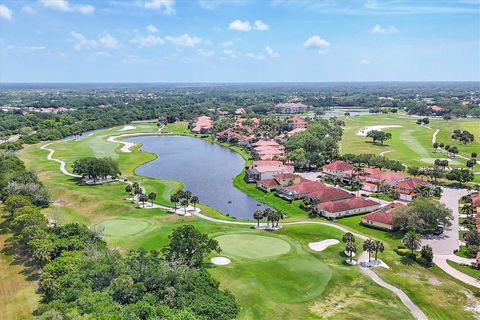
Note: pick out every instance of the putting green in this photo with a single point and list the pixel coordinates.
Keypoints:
(123, 227)
(252, 246)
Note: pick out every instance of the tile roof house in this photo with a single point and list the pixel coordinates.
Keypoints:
(300, 190)
(279, 180)
(372, 180)
(297, 123)
(202, 124)
(382, 218)
(328, 194)
(262, 170)
(338, 169)
(437, 109)
(337, 209)
(268, 150)
(406, 188)
(295, 131)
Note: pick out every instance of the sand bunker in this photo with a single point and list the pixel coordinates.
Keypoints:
(125, 128)
(220, 261)
(366, 130)
(126, 145)
(322, 245)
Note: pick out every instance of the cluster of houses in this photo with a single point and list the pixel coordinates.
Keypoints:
(373, 180)
(241, 133)
(290, 108)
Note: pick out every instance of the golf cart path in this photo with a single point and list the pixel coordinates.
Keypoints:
(416, 312)
(434, 137)
(62, 163)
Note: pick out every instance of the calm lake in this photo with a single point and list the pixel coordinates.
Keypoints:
(204, 168)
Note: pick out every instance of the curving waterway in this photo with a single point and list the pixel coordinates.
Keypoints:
(205, 168)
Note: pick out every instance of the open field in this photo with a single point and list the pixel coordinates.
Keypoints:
(411, 143)
(273, 275)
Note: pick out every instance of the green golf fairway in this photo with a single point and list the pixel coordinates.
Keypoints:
(252, 246)
(123, 227)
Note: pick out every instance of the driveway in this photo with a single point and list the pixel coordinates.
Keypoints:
(449, 241)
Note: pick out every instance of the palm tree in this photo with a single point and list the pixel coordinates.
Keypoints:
(378, 246)
(143, 198)
(280, 216)
(351, 248)
(267, 213)
(258, 215)
(468, 209)
(174, 198)
(369, 247)
(187, 195)
(184, 203)
(348, 237)
(194, 201)
(152, 196)
(411, 240)
(128, 188)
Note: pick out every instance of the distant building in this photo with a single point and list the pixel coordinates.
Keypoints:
(240, 111)
(279, 180)
(297, 123)
(437, 109)
(290, 108)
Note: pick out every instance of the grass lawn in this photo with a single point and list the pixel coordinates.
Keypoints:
(281, 278)
(17, 294)
(411, 144)
(465, 269)
(252, 246)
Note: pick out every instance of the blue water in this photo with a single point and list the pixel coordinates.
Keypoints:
(206, 169)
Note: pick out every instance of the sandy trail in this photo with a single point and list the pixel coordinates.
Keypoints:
(125, 128)
(322, 245)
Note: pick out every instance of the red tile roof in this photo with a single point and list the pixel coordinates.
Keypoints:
(286, 176)
(383, 215)
(476, 200)
(259, 163)
(344, 205)
(478, 255)
(307, 187)
(330, 194)
(269, 182)
(338, 166)
(297, 120)
(274, 169)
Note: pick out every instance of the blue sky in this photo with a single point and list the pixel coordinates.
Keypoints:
(239, 41)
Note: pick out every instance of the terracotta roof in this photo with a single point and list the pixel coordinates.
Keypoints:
(274, 169)
(437, 108)
(265, 143)
(330, 194)
(259, 163)
(269, 182)
(295, 131)
(286, 176)
(383, 215)
(476, 200)
(411, 183)
(307, 187)
(478, 255)
(387, 176)
(338, 166)
(297, 120)
(349, 204)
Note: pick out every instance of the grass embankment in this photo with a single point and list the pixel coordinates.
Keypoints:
(465, 269)
(299, 284)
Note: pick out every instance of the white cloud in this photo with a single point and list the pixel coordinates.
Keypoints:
(5, 12)
(365, 61)
(240, 26)
(245, 26)
(230, 53)
(255, 56)
(103, 54)
(148, 41)
(271, 53)
(65, 6)
(151, 28)
(378, 29)
(261, 26)
(226, 44)
(206, 53)
(81, 42)
(165, 6)
(108, 41)
(28, 10)
(185, 40)
(317, 43)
